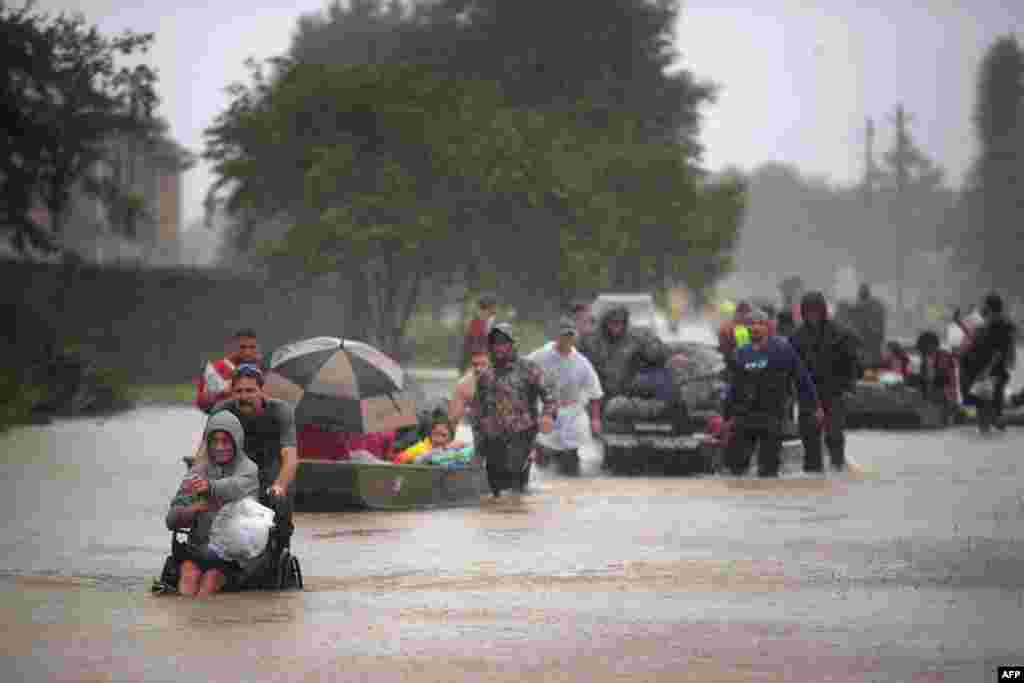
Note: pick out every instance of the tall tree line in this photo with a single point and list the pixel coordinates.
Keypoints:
(519, 144)
(996, 191)
(62, 99)
(904, 206)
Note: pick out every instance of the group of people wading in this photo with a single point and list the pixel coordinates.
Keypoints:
(816, 366)
(509, 399)
(539, 406)
(822, 359)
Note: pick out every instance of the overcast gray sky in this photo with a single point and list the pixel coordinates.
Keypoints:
(797, 78)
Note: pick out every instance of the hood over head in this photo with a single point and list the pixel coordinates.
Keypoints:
(614, 312)
(813, 300)
(567, 326)
(992, 305)
(225, 421)
(927, 342)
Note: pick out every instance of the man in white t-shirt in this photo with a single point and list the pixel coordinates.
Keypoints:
(578, 392)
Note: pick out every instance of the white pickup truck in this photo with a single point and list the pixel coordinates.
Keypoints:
(642, 311)
(647, 434)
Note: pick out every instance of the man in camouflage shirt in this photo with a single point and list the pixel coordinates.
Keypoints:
(505, 407)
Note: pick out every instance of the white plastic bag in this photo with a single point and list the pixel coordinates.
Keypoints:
(241, 529)
(984, 388)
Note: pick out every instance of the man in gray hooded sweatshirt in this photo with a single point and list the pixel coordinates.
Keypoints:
(225, 476)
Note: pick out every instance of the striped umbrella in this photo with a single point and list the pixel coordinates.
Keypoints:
(341, 384)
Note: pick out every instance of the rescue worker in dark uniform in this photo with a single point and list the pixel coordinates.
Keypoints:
(766, 370)
(831, 354)
(992, 353)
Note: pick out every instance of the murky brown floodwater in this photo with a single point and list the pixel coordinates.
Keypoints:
(911, 568)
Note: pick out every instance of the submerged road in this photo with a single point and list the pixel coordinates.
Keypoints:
(911, 569)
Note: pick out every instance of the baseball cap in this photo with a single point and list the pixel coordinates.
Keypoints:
(566, 326)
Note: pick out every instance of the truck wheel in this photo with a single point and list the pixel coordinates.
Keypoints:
(612, 458)
(524, 477)
(569, 462)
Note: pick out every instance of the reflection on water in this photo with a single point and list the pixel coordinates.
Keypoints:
(919, 558)
(859, 573)
(87, 498)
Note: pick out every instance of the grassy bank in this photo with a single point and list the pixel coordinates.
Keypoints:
(105, 389)
(176, 394)
(432, 345)
(16, 399)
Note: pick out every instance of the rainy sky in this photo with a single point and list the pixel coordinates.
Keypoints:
(797, 78)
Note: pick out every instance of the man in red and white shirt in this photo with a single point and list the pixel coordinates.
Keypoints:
(214, 385)
(478, 329)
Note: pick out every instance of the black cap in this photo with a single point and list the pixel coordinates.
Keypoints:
(501, 330)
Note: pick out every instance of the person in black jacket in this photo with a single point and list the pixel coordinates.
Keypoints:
(831, 354)
(992, 354)
(767, 370)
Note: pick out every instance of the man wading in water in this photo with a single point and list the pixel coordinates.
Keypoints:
(578, 389)
(505, 405)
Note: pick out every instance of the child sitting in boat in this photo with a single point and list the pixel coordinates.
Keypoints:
(437, 449)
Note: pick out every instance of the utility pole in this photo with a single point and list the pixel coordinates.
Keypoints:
(869, 162)
(903, 152)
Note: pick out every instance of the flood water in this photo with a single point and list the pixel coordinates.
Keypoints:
(911, 568)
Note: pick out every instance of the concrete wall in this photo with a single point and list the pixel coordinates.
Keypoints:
(161, 325)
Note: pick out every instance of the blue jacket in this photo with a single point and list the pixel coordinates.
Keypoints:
(763, 381)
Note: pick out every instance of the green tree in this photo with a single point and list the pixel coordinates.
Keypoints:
(379, 156)
(393, 168)
(363, 32)
(996, 200)
(28, 70)
(66, 99)
(906, 169)
(615, 57)
(615, 54)
(914, 197)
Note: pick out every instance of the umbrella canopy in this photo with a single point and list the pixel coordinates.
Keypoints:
(342, 384)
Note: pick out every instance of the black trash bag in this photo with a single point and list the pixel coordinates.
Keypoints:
(661, 384)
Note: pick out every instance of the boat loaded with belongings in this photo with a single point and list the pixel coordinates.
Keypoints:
(349, 386)
(878, 404)
(884, 399)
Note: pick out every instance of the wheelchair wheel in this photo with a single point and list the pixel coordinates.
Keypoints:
(289, 574)
(569, 463)
(282, 568)
(524, 476)
(169, 576)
